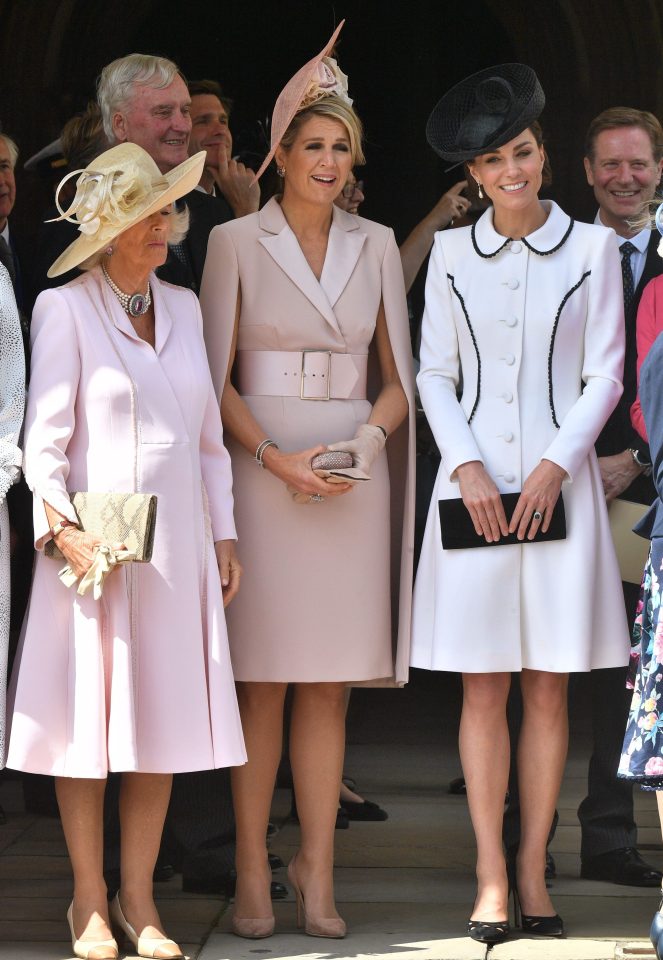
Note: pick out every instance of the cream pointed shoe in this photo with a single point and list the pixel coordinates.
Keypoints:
(144, 946)
(83, 948)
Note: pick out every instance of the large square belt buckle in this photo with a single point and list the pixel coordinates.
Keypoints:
(304, 374)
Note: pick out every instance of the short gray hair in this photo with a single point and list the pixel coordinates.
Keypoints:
(11, 148)
(178, 231)
(116, 82)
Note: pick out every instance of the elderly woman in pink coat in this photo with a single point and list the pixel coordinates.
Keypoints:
(139, 679)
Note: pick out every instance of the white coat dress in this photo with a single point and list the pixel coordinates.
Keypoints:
(532, 333)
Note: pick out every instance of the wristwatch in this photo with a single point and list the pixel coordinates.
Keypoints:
(61, 525)
(640, 461)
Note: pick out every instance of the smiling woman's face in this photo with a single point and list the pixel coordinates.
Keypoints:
(145, 244)
(511, 176)
(318, 163)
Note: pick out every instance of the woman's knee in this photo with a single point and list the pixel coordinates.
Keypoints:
(486, 691)
(261, 697)
(324, 695)
(544, 691)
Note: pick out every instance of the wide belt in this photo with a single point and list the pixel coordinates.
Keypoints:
(307, 374)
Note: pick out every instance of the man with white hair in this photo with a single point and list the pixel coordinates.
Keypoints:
(144, 100)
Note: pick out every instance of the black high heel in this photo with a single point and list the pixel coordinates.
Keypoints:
(539, 926)
(486, 932)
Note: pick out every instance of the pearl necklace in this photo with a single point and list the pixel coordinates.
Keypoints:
(135, 305)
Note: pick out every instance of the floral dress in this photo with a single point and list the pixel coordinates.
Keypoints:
(642, 753)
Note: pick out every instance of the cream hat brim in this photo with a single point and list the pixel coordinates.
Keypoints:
(181, 180)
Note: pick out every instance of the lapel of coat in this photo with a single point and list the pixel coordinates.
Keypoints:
(283, 247)
(346, 241)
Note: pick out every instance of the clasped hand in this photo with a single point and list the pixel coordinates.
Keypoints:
(294, 469)
(482, 499)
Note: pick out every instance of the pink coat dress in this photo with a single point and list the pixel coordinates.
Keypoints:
(139, 680)
(327, 586)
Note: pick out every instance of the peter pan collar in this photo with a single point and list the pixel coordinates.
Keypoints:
(552, 235)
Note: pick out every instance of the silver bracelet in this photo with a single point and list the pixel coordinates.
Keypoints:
(260, 451)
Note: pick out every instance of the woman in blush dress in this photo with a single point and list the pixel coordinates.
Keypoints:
(297, 300)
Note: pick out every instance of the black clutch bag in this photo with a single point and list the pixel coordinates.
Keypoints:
(458, 531)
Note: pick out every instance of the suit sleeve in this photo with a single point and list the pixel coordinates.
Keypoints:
(603, 360)
(218, 301)
(648, 326)
(214, 458)
(439, 374)
(50, 415)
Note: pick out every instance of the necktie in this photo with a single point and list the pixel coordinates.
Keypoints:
(626, 249)
(7, 259)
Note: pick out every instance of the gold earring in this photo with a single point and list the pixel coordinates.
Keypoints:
(281, 172)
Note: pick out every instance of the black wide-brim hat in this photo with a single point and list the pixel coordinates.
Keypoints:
(485, 111)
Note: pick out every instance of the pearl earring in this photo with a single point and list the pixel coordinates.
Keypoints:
(479, 185)
(110, 251)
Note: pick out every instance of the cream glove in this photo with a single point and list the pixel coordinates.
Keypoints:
(105, 561)
(367, 444)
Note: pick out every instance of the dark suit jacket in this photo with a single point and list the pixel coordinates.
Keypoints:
(651, 400)
(618, 434)
(205, 213)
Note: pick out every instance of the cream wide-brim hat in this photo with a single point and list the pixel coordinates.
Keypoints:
(117, 190)
(289, 100)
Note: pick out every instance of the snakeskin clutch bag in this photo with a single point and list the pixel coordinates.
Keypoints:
(127, 518)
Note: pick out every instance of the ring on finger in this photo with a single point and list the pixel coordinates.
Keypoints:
(316, 498)
(537, 515)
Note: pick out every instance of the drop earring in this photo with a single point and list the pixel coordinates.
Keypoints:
(281, 172)
(479, 185)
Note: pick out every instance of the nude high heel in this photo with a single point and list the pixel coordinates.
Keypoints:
(83, 948)
(333, 927)
(144, 946)
(253, 929)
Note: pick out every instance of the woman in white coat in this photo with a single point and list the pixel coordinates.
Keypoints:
(521, 362)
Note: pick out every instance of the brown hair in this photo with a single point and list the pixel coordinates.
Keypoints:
(199, 88)
(83, 137)
(617, 117)
(546, 173)
(334, 108)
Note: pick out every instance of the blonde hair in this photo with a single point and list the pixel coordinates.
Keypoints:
(334, 108)
(178, 231)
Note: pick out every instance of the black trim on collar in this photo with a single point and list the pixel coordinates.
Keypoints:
(540, 253)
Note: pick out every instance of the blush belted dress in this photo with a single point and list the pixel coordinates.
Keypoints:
(139, 680)
(326, 590)
(530, 332)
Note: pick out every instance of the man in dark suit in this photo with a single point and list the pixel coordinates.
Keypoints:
(623, 164)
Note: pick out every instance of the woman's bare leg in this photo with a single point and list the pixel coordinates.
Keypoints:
(143, 805)
(484, 753)
(81, 804)
(542, 750)
(317, 746)
(261, 710)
